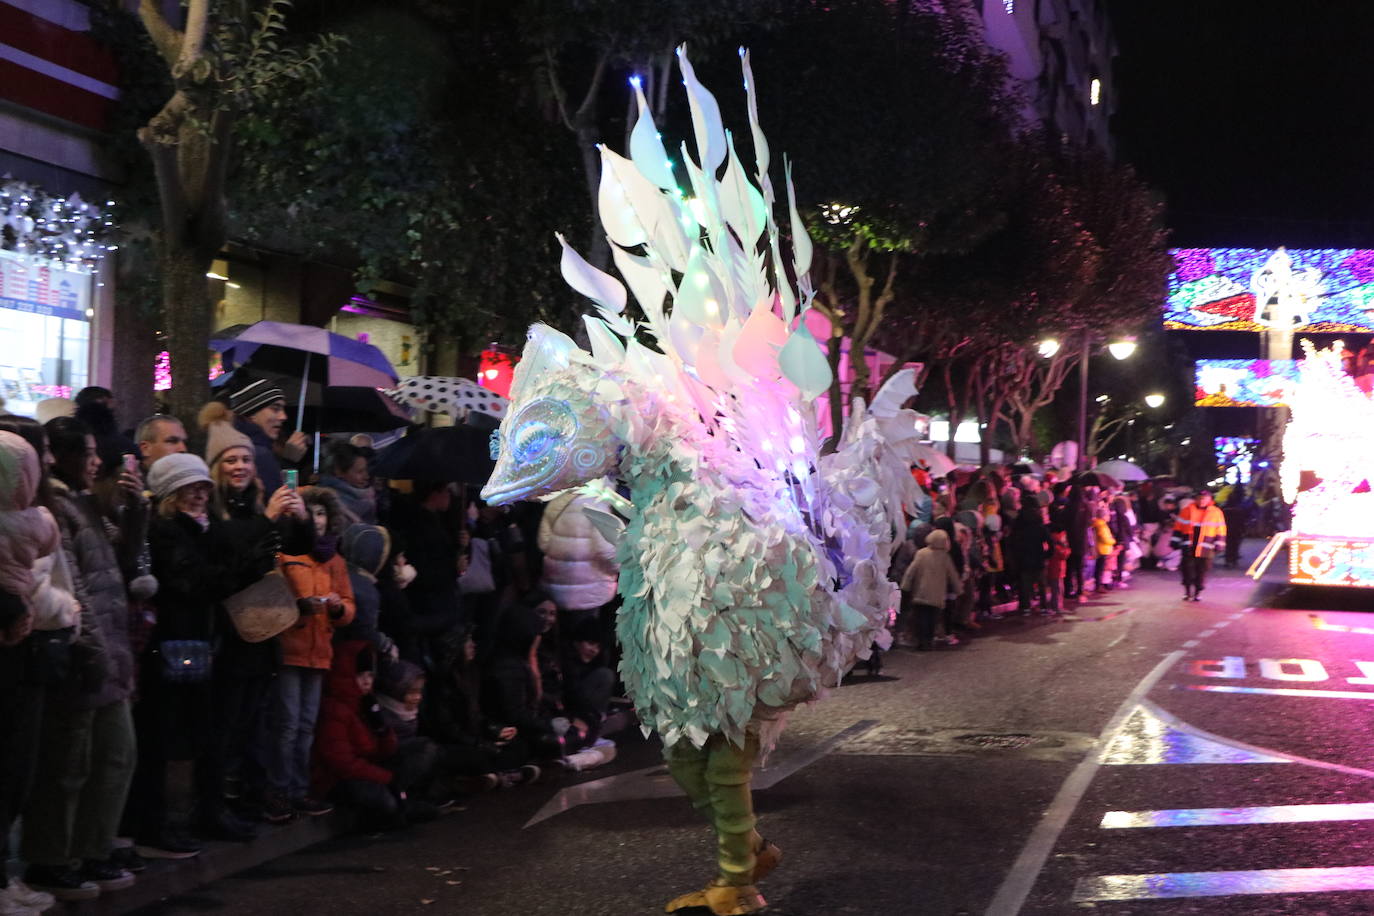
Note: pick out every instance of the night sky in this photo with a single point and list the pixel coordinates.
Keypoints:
(1255, 119)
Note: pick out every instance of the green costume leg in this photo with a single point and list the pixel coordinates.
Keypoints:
(717, 779)
(687, 766)
(729, 771)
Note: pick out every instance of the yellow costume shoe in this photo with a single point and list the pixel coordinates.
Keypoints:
(721, 899)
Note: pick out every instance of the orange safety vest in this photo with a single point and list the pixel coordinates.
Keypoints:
(1210, 520)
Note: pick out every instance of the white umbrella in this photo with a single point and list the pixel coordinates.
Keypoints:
(936, 462)
(453, 396)
(1122, 470)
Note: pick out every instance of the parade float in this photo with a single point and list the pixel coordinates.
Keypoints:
(1326, 476)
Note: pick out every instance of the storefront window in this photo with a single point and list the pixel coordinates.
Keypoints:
(44, 331)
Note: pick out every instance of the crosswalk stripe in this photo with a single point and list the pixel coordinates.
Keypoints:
(1224, 883)
(1217, 817)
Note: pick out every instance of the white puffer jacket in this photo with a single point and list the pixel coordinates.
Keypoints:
(580, 570)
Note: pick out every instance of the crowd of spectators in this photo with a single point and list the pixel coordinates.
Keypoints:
(428, 646)
(1006, 540)
(141, 711)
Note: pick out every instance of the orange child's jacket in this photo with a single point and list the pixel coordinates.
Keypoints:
(309, 644)
(1212, 523)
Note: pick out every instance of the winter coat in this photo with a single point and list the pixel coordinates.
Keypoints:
(512, 688)
(99, 586)
(580, 571)
(309, 644)
(1102, 537)
(931, 575)
(1028, 542)
(431, 546)
(27, 532)
(53, 598)
(352, 740)
(1057, 561)
(197, 568)
(247, 527)
(365, 549)
(1205, 529)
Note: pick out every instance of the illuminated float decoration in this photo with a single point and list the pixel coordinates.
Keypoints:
(1326, 477)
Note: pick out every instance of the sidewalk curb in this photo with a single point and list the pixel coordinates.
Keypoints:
(166, 878)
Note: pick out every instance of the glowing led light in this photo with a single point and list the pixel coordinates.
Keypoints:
(1095, 92)
(214, 276)
(635, 81)
(493, 373)
(1048, 347)
(1154, 400)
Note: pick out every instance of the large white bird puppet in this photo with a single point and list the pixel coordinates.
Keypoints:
(753, 570)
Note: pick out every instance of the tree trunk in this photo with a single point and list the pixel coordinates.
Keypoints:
(131, 370)
(832, 356)
(187, 309)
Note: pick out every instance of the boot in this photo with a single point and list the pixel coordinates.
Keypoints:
(721, 899)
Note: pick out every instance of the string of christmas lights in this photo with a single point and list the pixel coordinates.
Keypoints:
(68, 230)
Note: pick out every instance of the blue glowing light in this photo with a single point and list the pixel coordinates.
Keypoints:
(635, 81)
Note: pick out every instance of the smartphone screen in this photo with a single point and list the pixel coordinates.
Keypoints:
(291, 478)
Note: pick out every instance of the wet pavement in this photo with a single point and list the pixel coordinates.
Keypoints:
(1043, 767)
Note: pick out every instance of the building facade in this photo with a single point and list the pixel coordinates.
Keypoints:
(58, 87)
(1061, 53)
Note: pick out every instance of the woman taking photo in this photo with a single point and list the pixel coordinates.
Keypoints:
(236, 761)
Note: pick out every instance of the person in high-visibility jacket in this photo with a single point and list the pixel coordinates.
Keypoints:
(1200, 533)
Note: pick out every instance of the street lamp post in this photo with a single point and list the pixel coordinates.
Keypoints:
(1121, 348)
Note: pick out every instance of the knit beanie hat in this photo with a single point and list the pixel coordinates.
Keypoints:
(172, 472)
(220, 437)
(247, 397)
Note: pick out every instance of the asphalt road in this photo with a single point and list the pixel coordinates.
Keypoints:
(1144, 755)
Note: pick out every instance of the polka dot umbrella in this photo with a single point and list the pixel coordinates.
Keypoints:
(456, 397)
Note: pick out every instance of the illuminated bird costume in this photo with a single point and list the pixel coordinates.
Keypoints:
(753, 570)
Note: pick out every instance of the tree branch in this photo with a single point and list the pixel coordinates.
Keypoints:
(166, 39)
(193, 39)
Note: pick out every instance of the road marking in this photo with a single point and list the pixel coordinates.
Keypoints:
(1221, 623)
(1153, 736)
(1224, 883)
(1016, 886)
(1191, 644)
(1218, 817)
(655, 782)
(1205, 633)
(1320, 623)
(1287, 691)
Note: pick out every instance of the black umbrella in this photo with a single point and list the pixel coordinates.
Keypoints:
(354, 410)
(457, 454)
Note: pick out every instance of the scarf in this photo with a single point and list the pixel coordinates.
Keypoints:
(326, 546)
(397, 708)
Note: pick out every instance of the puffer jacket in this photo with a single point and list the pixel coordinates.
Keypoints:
(27, 532)
(309, 644)
(352, 739)
(931, 576)
(99, 584)
(580, 570)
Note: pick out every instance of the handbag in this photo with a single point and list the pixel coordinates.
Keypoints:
(185, 661)
(263, 609)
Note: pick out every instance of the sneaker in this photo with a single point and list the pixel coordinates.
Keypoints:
(224, 825)
(127, 858)
(275, 809)
(169, 845)
(310, 806)
(61, 882)
(105, 875)
(11, 907)
(22, 895)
